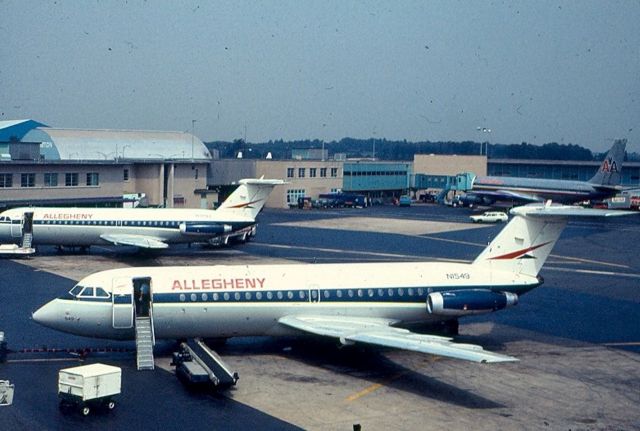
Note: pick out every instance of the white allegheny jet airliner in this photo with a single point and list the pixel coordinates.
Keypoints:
(152, 228)
(353, 302)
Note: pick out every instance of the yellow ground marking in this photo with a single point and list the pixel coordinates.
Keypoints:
(374, 387)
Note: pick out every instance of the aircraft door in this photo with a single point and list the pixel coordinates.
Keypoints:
(122, 300)
(16, 227)
(142, 296)
(27, 222)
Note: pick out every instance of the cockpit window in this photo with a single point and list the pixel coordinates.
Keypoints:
(101, 293)
(76, 290)
(87, 292)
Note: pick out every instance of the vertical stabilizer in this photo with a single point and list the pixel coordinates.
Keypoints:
(526, 241)
(609, 173)
(523, 245)
(249, 198)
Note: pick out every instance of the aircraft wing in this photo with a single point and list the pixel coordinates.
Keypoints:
(141, 241)
(379, 331)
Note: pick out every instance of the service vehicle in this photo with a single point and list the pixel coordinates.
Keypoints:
(88, 386)
(489, 217)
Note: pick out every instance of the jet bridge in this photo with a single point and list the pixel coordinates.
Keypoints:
(462, 182)
(197, 364)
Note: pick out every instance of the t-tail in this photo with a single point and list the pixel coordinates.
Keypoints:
(609, 173)
(525, 243)
(249, 198)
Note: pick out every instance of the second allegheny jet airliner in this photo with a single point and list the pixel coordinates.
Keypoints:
(152, 228)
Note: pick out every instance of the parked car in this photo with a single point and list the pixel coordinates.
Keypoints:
(405, 201)
(490, 217)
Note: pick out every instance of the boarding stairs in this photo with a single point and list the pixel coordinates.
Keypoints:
(27, 239)
(144, 343)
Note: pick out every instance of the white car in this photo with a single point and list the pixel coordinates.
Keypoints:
(490, 217)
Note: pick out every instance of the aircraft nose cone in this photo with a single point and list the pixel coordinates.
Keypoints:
(45, 315)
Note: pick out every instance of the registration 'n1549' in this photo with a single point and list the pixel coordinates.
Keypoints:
(458, 276)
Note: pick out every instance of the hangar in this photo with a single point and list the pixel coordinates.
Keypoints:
(41, 165)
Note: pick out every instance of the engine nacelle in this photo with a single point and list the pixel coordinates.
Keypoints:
(204, 228)
(468, 302)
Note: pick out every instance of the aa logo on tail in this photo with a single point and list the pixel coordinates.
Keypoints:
(609, 166)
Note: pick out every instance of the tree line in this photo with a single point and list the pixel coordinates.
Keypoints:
(404, 150)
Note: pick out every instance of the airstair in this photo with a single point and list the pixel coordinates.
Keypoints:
(144, 343)
(25, 248)
(27, 239)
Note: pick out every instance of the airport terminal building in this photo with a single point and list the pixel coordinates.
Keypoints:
(41, 165)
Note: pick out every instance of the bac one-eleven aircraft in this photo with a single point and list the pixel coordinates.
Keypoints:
(152, 228)
(353, 302)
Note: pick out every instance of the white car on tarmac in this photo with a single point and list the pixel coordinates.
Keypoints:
(489, 217)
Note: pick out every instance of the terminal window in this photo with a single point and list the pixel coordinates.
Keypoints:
(301, 172)
(50, 179)
(323, 172)
(71, 179)
(334, 172)
(293, 195)
(125, 175)
(93, 178)
(289, 172)
(28, 180)
(6, 180)
(312, 172)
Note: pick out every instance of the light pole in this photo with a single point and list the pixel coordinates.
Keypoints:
(193, 130)
(484, 130)
(124, 148)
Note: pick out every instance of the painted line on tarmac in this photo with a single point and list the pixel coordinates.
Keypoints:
(595, 262)
(574, 259)
(22, 361)
(374, 387)
(622, 344)
(593, 272)
(336, 250)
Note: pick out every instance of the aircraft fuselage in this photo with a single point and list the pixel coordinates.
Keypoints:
(227, 301)
(85, 226)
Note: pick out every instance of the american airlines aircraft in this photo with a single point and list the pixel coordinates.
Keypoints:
(353, 302)
(604, 184)
(151, 228)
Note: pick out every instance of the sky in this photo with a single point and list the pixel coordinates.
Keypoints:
(528, 71)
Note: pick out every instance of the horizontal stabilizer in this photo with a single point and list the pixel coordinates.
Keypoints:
(378, 331)
(566, 211)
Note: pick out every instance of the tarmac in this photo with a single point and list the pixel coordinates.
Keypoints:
(577, 338)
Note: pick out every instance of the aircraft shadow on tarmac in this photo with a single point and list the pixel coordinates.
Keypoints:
(361, 362)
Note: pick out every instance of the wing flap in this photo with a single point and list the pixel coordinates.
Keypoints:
(378, 331)
(141, 241)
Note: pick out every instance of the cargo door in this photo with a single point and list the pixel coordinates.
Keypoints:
(122, 300)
